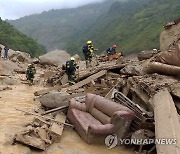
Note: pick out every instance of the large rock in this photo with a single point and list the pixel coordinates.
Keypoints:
(7, 67)
(19, 56)
(170, 35)
(144, 55)
(16, 55)
(132, 69)
(54, 99)
(170, 56)
(54, 58)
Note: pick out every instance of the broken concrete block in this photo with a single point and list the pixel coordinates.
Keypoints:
(32, 141)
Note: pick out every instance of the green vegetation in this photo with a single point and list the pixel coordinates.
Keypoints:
(133, 25)
(15, 40)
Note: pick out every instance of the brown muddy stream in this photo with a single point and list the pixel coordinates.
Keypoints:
(11, 121)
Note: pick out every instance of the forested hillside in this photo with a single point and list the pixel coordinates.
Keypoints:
(133, 25)
(55, 28)
(15, 40)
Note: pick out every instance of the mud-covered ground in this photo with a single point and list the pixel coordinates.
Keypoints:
(22, 97)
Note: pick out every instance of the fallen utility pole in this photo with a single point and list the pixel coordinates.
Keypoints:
(35, 114)
(56, 109)
(156, 67)
(166, 122)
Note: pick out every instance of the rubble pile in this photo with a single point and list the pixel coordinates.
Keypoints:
(41, 133)
(146, 94)
(126, 83)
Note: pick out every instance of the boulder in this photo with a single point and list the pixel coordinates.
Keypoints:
(7, 67)
(53, 99)
(19, 56)
(169, 35)
(170, 56)
(10, 81)
(132, 69)
(143, 55)
(54, 58)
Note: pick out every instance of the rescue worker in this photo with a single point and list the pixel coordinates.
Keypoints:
(88, 51)
(31, 71)
(112, 54)
(111, 51)
(6, 52)
(0, 51)
(71, 67)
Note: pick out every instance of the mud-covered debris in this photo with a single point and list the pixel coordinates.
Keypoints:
(144, 55)
(42, 133)
(166, 122)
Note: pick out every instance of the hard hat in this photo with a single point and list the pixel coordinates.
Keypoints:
(114, 46)
(89, 42)
(154, 49)
(29, 65)
(72, 59)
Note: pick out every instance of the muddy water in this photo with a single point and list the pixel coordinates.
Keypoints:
(11, 121)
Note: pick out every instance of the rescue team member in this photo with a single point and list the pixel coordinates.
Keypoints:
(112, 50)
(70, 68)
(88, 51)
(31, 71)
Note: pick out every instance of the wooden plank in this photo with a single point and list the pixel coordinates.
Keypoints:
(56, 109)
(166, 122)
(56, 129)
(30, 113)
(86, 81)
(102, 66)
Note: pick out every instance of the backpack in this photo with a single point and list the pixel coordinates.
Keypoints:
(69, 66)
(85, 50)
(108, 50)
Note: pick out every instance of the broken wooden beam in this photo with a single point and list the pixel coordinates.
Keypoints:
(166, 122)
(56, 109)
(86, 81)
(30, 113)
(102, 66)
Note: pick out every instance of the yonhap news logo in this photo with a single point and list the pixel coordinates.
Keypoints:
(112, 141)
